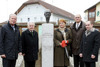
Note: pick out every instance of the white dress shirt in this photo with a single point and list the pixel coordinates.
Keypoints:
(77, 25)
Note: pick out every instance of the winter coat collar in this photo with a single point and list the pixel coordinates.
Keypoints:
(30, 32)
(82, 25)
(16, 27)
(61, 32)
(88, 32)
(65, 30)
(74, 25)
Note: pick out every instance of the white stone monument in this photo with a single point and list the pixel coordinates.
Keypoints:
(47, 45)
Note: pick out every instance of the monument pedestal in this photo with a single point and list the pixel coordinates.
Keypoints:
(47, 45)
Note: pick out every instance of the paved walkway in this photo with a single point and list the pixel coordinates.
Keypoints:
(20, 62)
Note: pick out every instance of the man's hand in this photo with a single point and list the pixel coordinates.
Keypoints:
(81, 55)
(92, 56)
(3, 56)
(20, 53)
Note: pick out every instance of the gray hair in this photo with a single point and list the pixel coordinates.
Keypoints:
(30, 23)
(12, 15)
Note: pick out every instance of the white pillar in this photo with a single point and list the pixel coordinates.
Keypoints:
(47, 45)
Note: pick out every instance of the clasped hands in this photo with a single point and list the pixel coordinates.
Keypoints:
(64, 43)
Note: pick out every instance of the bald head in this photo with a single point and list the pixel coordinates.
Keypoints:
(77, 15)
(77, 18)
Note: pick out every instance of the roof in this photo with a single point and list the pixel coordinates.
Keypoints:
(52, 8)
(92, 6)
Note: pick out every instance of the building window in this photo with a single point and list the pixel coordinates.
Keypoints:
(41, 18)
(28, 19)
(21, 19)
(36, 6)
(58, 20)
(28, 8)
(91, 14)
(35, 18)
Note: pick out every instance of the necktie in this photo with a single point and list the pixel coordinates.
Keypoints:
(32, 33)
(77, 26)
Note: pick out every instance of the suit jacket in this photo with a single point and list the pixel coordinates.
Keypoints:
(30, 45)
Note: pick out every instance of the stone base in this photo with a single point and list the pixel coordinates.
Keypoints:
(47, 45)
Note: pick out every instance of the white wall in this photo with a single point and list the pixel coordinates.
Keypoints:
(36, 14)
(34, 11)
(57, 17)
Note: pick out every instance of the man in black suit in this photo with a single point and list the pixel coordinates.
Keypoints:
(90, 45)
(30, 45)
(10, 44)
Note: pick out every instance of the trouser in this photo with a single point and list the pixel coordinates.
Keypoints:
(29, 63)
(90, 64)
(78, 61)
(8, 63)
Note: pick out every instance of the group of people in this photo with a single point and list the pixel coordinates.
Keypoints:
(81, 41)
(12, 44)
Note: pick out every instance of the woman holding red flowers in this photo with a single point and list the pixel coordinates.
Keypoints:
(62, 39)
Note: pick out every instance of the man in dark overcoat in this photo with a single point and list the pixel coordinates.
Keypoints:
(90, 45)
(77, 30)
(10, 44)
(30, 45)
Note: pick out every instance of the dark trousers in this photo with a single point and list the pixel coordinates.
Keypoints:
(29, 63)
(8, 63)
(90, 64)
(78, 61)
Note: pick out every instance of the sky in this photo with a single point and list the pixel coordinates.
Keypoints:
(73, 6)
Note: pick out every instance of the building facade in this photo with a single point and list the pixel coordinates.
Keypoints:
(93, 13)
(33, 11)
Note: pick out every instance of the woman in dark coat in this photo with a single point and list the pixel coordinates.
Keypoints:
(90, 45)
(60, 57)
(30, 45)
